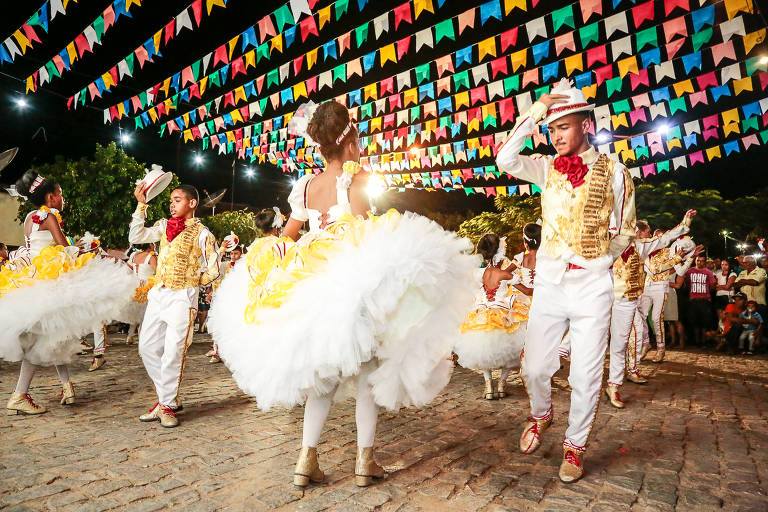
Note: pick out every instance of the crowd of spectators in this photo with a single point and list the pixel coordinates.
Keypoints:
(721, 303)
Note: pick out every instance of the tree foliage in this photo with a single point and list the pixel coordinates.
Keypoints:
(512, 213)
(99, 194)
(662, 206)
(242, 222)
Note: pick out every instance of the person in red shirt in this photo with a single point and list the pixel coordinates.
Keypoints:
(701, 282)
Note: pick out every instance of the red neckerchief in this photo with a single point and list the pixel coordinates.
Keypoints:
(174, 226)
(573, 167)
(629, 251)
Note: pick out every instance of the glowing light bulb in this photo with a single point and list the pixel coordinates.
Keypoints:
(21, 103)
(198, 159)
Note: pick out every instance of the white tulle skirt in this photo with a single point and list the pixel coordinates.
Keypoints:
(392, 294)
(487, 350)
(42, 322)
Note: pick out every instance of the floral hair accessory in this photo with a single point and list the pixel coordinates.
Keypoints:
(36, 184)
(301, 119)
(345, 132)
(277, 223)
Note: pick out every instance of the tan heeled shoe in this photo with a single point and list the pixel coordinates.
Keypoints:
(366, 469)
(22, 403)
(501, 389)
(488, 394)
(67, 393)
(307, 468)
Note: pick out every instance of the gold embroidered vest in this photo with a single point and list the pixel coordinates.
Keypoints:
(178, 264)
(628, 277)
(578, 219)
(656, 261)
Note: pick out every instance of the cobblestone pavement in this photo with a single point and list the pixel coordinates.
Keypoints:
(693, 439)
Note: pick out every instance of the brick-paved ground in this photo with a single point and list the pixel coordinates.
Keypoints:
(693, 439)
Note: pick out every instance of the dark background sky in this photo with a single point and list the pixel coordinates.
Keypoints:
(74, 133)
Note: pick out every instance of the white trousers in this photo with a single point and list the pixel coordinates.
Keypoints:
(582, 302)
(652, 301)
(165, 335)
(622, 327)
(99, 336)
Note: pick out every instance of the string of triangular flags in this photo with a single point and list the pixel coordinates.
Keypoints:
(84, 42)
(23, 37)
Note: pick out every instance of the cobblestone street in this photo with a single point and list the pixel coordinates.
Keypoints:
(691, 439)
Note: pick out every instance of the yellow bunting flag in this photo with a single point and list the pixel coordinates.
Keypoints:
(72, 52)
(628, 65)
(713, 153)
(461, 99)
(511, 4)
(311, 58)
(210, 3)
(388, 53)
(410, 96)
(730, 116)
(30, 84)
(166, 85)
(686, 86)
(324, 16)
(733, 7)
(107, 78)
(486, 47)
(423, 5)
(372, 92)
(741, 85)
(240, 94)
(156, 40)
(203, 85)
(129, 3)
(619, 120)
(22, 40)
(519, 58)
(590, 91)
(276, 43)
(250, 59)
(236, 116)
(299, 90)
(752, 39)
(674, 143)
(574, 63)
(621, 145)
(232, 44)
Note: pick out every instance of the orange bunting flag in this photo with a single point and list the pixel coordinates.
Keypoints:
(210, 3)
(324, 16)
(511, 4)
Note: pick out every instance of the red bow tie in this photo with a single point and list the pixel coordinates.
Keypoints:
(629, 251)
(573, 167)
(175, 226)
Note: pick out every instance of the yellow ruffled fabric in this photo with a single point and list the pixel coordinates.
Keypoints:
(49, 264)
(273, 276)
(140, 295)
(491, 319)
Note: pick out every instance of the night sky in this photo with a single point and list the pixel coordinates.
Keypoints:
(75, 133)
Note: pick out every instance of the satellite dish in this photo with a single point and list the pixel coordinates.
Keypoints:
(7, 156)
(213, 199)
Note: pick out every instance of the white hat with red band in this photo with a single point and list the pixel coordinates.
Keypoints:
(577, 102)
(156, 180)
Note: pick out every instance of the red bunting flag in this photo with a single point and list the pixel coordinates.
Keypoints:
(671, 5)
(308, 26)
(642, 13)
(508, 38)
(403, 14)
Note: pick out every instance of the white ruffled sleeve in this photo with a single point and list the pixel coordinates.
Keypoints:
(296, 199)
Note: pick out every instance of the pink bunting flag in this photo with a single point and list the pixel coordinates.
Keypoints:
(750, 140)
(197, 10)
(311, 84)
(403, 14)
(675, 27)
(639, 79)
(711, 133)
(297, 64)
(590, 7)
(109, 17)
(309, 26)
(707, 80)
(444, 64)
(565, 42)
(698, 97)
(722, 51)
(467, 20)
(387, 86)
(763, 80)
(642, 13)
(698, 156)
(508, 39)
(674, 47)
(344, 42)
(266, 28)
(712, 121)
(648, 169)
(671, 5)
(637, 115)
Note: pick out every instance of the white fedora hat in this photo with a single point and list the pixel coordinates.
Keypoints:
(156, 180)
(7, 156)
(577, 102)
(233, 240)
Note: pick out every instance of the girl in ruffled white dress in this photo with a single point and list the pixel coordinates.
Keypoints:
(144, 263)
(50, 295)
(368, 304)
(493, 333)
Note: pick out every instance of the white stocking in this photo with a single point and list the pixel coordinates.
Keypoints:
(487, 375)
(132, 329)
(366, 412)
(63, 371)
(505, 374)
(25, 376)
(315, 413)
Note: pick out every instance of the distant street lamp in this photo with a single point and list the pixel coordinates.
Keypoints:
(725, 234)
